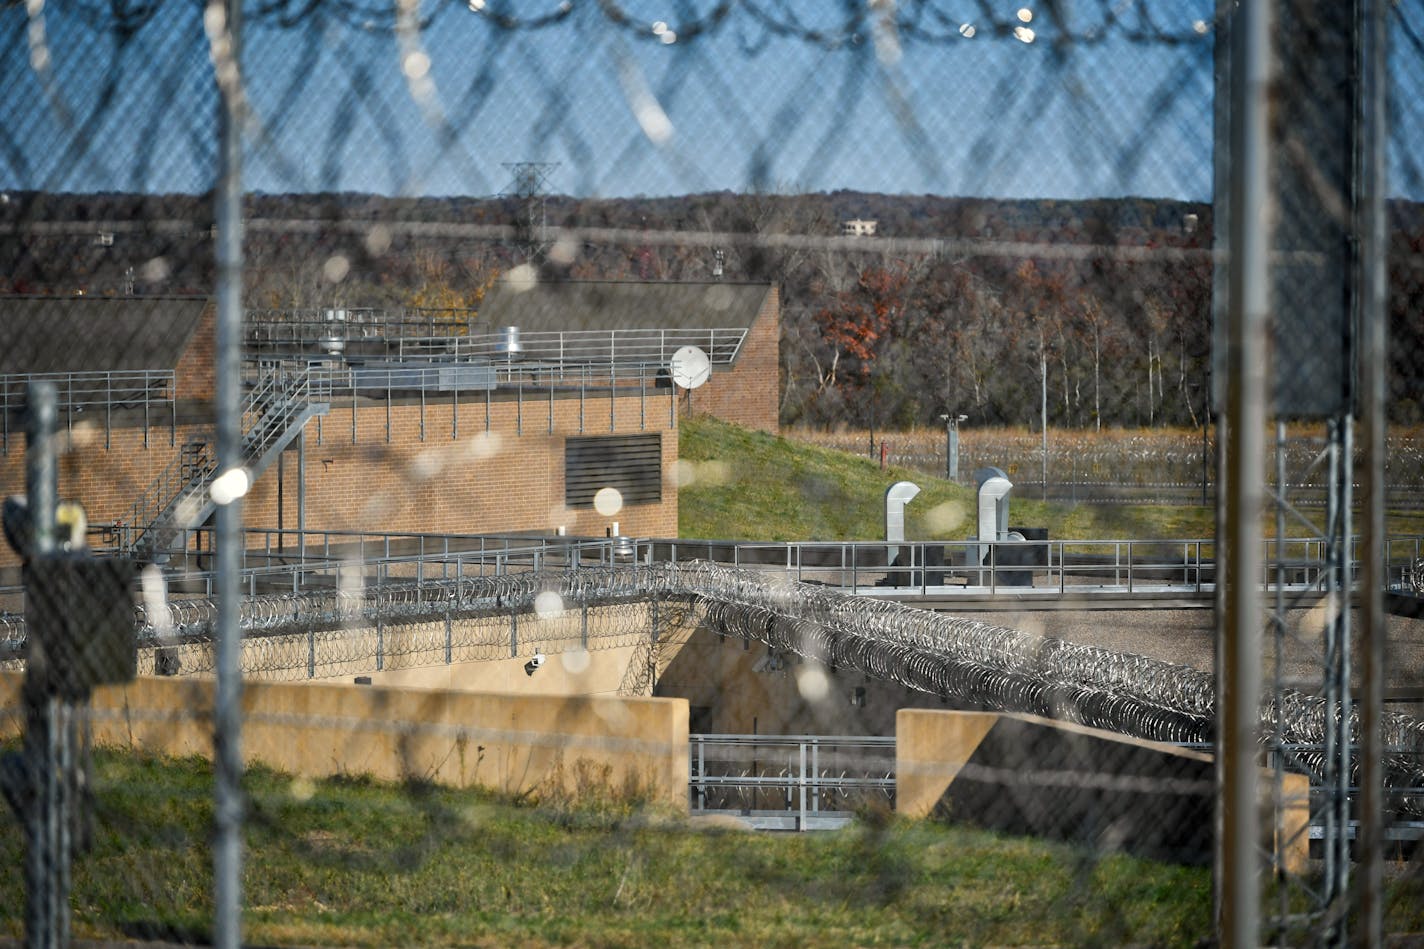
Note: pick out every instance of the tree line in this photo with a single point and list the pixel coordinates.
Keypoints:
(1095, 312)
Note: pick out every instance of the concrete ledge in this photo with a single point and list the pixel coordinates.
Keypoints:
(1032, 775)
(510, 743)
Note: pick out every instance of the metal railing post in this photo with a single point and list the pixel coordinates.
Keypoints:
(801, 782)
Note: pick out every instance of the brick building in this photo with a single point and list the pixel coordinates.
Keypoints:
(741, 323)
(374, 421)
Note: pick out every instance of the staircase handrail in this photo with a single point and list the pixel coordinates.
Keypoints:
(277, 396)
(161, 496)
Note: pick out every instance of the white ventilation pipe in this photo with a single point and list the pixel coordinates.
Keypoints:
(896, 497)
(993, 512)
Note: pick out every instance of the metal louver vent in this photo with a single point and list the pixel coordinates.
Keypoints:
(631, 464)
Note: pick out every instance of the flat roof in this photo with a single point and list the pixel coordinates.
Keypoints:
(95, 334)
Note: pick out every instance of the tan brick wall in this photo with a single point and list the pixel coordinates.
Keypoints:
(471, 472)
(504, 474)
(196, 370)
(106, 480)
(749, 392)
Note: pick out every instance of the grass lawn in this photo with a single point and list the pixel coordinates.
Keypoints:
(355, 863)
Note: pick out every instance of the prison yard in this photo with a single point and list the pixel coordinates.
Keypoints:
(769, 473)
(602, 860)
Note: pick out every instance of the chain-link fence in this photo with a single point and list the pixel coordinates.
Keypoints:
(457, 454)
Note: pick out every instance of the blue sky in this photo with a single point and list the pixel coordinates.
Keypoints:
(344, 102)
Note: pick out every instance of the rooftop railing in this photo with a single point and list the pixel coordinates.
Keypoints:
(266, 326)
(561, 352)
(96, 396)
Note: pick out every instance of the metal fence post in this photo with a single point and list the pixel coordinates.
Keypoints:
(46, 849)
(1248, 309)
(225, 32)
(1373, 117)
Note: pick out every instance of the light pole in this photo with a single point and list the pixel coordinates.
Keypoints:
(951, 451)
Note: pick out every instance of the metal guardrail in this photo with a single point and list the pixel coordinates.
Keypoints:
(561, 353)
(287, 559)
(633, 347)
(267, 327)
(83, 395)
(790, 782)
(818, 782)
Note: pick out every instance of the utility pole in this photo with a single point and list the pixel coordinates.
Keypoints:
(951, 448)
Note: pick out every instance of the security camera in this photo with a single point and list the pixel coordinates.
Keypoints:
(535, 661)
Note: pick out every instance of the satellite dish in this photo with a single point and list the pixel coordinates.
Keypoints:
(690, 367)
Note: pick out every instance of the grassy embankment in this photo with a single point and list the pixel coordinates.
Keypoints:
(353, 863)
(747, 485)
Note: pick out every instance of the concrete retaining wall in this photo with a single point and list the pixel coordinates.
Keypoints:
(511, 743)
(1031, 775)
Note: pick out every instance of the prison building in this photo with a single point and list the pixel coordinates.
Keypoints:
(396, 420)
(738, 323)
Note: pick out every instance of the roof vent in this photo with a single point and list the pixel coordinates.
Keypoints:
(509, 345)
(333, 341)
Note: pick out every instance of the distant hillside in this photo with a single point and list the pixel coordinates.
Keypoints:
(962, 305)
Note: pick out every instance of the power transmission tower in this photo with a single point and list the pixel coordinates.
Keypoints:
(529, 186)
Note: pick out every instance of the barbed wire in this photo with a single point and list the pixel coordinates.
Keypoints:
(332, 632)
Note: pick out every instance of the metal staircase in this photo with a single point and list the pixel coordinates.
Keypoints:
(279, 401)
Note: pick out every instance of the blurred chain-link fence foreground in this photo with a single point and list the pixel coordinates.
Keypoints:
(413, 423)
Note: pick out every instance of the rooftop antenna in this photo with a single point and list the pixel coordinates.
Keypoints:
(529, 184)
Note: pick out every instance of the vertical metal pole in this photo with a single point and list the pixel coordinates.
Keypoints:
(1248, 292)
(1278, 642)
(1043, 410)
(46, 854)
(653, 652)
(1334, 852)
(281, 503)
(380, 642)
(302, 492)
(1372, 301)
(41, 471)
(1337, 586)
(801, 782)
(701, 773)
(1206, 414)
(224, 19)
